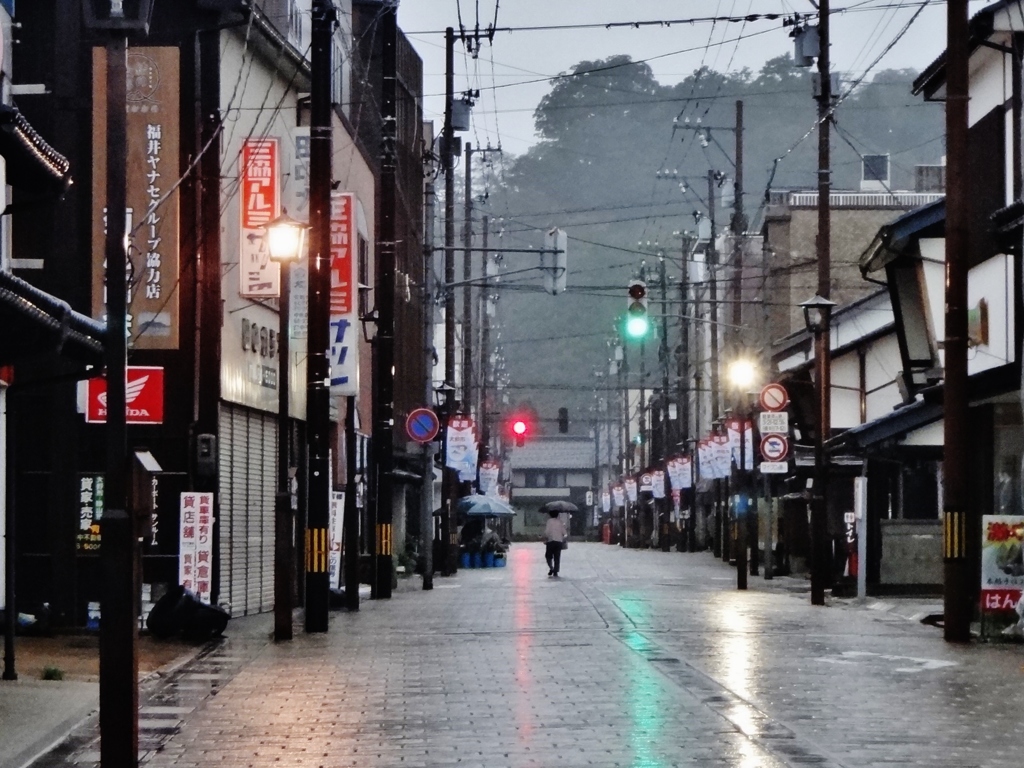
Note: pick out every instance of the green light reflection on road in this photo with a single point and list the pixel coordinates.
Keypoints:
(646, 701)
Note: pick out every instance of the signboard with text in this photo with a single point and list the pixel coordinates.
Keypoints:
(1002, 561)
(344, 318)
(144, 396)
(259, 173)
(152, 212)
(195, 552)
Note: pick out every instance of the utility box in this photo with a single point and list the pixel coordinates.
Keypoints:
(461, 111)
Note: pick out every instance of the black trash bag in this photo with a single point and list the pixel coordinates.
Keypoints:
(206, 622)
(179, 611)
(171, 612)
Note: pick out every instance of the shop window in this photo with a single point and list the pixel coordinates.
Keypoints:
(1008, 447)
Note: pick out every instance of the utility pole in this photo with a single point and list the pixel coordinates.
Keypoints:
(959, 515)
(683, 361)
(467, 291)
(712, 264)
(318, 365)
(663, 353)
(384, 341)
(447, 149)
(485, 341)
(427, 489)
(819, 514)
(119, 641)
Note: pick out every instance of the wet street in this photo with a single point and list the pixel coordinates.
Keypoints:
(631, 658)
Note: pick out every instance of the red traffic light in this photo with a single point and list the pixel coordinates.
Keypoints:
(637, 290)
(520, 428)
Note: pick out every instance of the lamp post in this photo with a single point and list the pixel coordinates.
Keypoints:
(286, 240)
(741, 375)
(818, 317)
(119, 648)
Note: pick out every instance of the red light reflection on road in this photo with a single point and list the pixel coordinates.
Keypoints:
(523, 566)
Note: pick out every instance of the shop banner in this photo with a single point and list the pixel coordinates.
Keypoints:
(685, 465)
(659, 484)
(195, 548)
(606, 502)
(489, 478)
(722, 456)
(460, 445)
(619, 496)
(151, 216)
(741, 431)
(1002, 561)
(344, 313)
(630, 483)
(704, 463)
(259, 175)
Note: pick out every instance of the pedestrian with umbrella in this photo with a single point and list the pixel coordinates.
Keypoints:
(556, 533)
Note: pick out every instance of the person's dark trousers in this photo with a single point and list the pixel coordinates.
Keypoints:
(553, 554)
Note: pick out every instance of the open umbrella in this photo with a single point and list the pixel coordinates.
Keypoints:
(484, 506)
(559, 507)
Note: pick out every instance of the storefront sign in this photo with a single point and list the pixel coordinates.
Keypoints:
(151, 218)
(344, 318)
(259, 176)
(144, 397)
(90, 512)
(1002, 561)
(335, 520)
(195, 549)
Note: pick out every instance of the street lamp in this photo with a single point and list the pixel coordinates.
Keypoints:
(286, 239)
(741, 374)
(818, 316)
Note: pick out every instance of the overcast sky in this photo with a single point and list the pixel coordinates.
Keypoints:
(505, 113)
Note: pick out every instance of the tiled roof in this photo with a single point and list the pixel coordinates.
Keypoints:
(554, 453)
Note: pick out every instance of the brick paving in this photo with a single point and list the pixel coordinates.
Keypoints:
(633, 658)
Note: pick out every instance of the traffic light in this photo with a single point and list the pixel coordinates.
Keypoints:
(519, 429)
(637, 322)
(563, 420)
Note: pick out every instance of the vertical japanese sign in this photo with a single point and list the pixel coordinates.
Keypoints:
(461, 448)
(153, 203)
(297, 200)
(90, 512)
(195, 552)
(336, 517)
(1002, 561)
(344, 321)
(259, 175)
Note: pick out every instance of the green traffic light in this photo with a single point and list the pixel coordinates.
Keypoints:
(637, 326)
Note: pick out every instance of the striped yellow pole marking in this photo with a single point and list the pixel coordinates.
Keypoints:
(954, 535)
(316, 550)
(384, 539)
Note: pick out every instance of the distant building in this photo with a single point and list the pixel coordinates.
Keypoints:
(550, 469)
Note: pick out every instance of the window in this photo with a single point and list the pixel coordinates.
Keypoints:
(364, 277)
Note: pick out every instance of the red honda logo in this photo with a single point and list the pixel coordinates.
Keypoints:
(144, 397)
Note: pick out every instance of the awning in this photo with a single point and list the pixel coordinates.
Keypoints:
(32, 164)
(892, 426)
(894, 238)
(35, 324)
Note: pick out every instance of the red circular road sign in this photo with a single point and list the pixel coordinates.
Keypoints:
(774, 447)
(774, 397)
(421, 425)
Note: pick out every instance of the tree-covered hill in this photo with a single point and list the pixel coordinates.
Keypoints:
(607, 129)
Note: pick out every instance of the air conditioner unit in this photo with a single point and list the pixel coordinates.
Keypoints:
(874, 173)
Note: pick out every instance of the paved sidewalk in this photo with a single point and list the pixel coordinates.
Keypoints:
(632, 658)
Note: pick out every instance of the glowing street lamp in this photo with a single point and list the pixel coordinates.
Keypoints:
(286, 240)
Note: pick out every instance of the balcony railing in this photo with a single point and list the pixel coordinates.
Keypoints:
(907, 200)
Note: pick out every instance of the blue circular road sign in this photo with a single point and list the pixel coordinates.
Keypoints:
(421, 425)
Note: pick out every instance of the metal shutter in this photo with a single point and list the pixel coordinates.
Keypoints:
(248, 457)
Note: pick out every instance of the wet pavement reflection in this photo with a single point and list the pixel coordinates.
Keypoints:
(638, 659)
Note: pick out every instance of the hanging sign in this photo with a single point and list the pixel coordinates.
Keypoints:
(659, 484)
(90, 512)
(740, 433)
(619, 496)
(606, 502)
(630, 483)
(259, 174)
(460, 446)
(153, 202)
(335, 526)
(344, 352)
